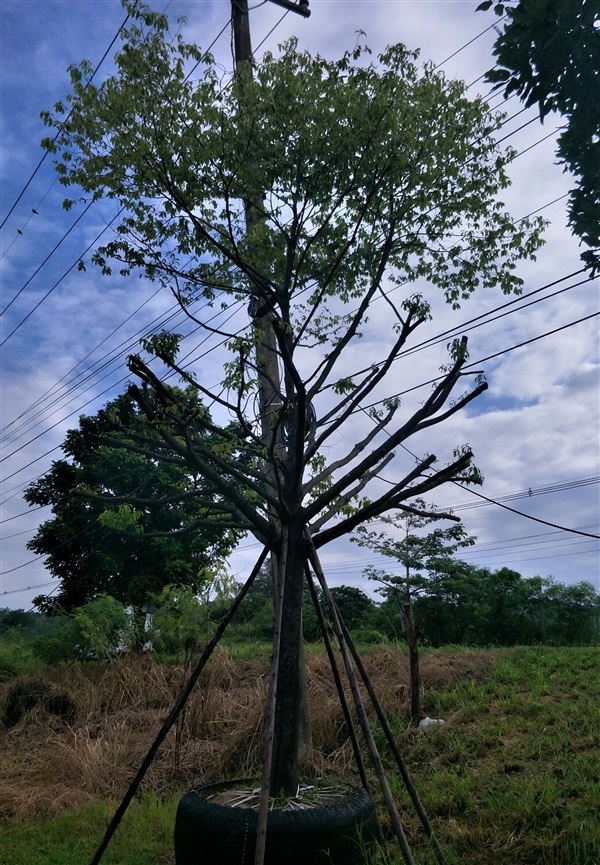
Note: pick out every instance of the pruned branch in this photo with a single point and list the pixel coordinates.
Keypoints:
(405, 489)
(431, 406)
(344, 500)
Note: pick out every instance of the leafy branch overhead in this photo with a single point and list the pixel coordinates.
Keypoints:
(365, 176)
(307, 215)
(548, 53)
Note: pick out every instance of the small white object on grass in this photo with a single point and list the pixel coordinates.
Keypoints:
(430, 722)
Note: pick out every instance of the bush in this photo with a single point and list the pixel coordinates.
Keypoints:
(16, 657)
(62, 644)
(368, 637)
(26, 695)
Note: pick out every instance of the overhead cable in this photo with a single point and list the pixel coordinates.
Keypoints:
(40, 163)
(526, 516)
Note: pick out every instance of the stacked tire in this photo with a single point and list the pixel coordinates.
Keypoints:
(207, 833)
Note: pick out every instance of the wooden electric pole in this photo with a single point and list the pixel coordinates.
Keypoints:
(270, 397)
(269, 390)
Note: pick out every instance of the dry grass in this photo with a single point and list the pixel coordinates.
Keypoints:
(49, 763)
(511, 777)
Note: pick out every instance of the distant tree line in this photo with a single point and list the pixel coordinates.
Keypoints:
(469, 605)
(462, 604)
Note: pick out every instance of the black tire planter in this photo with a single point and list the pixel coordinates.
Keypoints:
(212, 834)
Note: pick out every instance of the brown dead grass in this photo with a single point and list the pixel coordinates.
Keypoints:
(48, 764)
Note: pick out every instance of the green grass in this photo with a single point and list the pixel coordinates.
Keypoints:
(514, 775)
(511, 778)
(145, 836)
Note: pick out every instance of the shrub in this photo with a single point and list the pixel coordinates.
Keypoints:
(16, 657)
(62, 644)
(28, 694)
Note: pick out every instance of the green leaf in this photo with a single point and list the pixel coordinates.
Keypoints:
(164, 345)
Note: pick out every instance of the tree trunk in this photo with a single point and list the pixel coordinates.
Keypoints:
(291, 712)
(413, 639)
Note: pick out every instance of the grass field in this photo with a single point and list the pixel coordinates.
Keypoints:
(513, 776)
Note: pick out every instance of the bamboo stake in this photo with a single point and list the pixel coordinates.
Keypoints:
(179, 704)
(403, 768)
(360, 708)
(265, 790)
(338, 682)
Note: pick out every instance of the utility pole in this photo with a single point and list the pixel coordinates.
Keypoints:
(267, 361)
(269, 390)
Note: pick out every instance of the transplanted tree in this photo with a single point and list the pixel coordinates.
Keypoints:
(549, 54)
(417, 553)
(315, 192)
(167, 539)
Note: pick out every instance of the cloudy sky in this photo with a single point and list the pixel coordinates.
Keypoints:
(65, 335)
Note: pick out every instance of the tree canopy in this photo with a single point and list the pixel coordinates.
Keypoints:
(308, 190)
(416, 551)
(96, 542)
(548, 52)
(366, 176)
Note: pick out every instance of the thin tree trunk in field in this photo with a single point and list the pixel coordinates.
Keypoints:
(412, 638)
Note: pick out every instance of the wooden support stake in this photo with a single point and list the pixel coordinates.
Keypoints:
(402, 767)
(338, 682)
(360, 708)
(179, 704)
(263, 808)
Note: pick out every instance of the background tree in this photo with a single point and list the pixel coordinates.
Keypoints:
(354, 605)
(88, 492)
(465, 604)
(457, 604)
(549, 54)
(572, 613)
(416, 553)
(182, 616)
(362, 178)
(105, 626)
(507, 600)
(180, 622)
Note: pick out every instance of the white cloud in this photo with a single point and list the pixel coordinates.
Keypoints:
(536, 427)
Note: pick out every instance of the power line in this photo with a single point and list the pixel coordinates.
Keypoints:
(95, 396)
(542, 558)
(45, 261)
(102, 364)
(24, 514)
(92, 201)
(546, 538)
(40, 163)
(65, 274)
(477, 362)
(559, 487)
(26, 589)
(499, 504)
(83, 359)
(478, 321)
(526, 516)
(533, 339)
(18, 534)
(470, 42)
